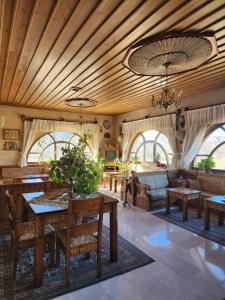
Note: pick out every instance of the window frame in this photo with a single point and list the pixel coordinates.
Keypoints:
(154, 142)
(209, 131)
(54, 142)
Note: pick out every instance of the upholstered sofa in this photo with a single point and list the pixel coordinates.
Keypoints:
(208, 184)
(17, 172)
(148, 189)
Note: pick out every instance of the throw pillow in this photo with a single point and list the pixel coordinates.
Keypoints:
(194, 184)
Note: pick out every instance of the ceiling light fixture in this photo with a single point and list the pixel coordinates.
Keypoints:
(168, 96)
(170, 53)
(81, 103)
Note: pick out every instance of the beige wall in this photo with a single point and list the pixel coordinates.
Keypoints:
(12, 119)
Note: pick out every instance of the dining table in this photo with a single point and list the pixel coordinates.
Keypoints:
(46, 213)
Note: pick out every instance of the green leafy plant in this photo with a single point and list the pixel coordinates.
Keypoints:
(121, 164)
(76, 169)
(207, 163)
(134, 159)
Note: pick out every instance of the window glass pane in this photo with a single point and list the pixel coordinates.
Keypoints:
(150, 135)
(47, 154)
(198, 159)
(162, 140)
(45, 141)
(139, 140)
(219, 156)
(140, 153)
(170, 157)
(61, 136)
(149, 151)
(59, 147)
(33, 158)
(37, 148)
(213, 140)
(75, 140)
(160, 155)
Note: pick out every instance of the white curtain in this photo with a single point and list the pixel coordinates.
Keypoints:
(165, 124)
(196, 122)
(32, 128)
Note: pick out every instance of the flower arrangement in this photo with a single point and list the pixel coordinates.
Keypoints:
(77, 170)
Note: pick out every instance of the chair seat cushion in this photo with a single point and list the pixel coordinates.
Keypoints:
(26, 230)
(157, 194)
(80, 244)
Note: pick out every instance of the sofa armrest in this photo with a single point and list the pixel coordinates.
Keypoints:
(142, 187)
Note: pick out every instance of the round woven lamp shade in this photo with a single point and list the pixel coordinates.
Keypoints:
(181, 51)
(80, 102)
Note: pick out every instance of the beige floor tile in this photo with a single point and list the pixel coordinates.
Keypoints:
(187, 267)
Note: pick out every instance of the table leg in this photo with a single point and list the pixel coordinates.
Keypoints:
(39, 253)
(115, 185)
(180, 205)
(113, 234)
(185, 210)
(207, 218)
(110, 182)
(199, 208)
(220, 218)
(167, 203)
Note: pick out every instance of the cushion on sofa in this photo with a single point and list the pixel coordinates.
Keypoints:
(157, 194)
(210, 184)
(161, 180)
(194, 184)
(148, 179)
(9, 172)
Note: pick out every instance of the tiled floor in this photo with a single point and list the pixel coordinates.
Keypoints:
(187, 266)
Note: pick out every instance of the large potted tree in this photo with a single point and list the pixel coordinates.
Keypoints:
(77, 170)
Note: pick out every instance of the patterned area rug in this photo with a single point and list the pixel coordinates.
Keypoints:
(83, 270)
(194, 224)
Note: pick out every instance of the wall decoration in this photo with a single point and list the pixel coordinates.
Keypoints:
(106, 124)
(9, 146)
(107, 135)
(11, 134)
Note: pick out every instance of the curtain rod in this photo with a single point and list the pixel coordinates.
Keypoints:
(24, 118)
(186, 109)
(211, 105)
(147, 117)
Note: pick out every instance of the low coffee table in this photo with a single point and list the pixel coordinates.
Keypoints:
(184, 195)
(215, 203)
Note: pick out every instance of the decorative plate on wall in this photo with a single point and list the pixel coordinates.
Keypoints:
(106, 124)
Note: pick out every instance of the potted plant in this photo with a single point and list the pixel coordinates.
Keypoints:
(207, 164)
(81, 173)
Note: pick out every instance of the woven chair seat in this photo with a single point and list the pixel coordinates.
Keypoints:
(26, 230)
(80, 244)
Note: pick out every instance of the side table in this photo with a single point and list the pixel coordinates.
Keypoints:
(184, 195)
(216, 203)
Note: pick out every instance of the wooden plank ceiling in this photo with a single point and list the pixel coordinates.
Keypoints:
(47, 46)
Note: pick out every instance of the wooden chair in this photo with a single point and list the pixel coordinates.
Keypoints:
(23, 234)
(85, 235)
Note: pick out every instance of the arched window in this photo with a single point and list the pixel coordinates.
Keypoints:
(150, 146)
(213, 145)
(49, 146)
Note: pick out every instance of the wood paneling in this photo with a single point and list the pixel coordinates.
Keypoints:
(48, 46)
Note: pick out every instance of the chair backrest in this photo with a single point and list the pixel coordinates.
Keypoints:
(81, 211)
(11, 209)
